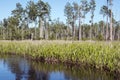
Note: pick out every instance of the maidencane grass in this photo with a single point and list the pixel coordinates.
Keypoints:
(98, 54)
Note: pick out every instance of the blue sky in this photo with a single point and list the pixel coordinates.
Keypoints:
(6, 6)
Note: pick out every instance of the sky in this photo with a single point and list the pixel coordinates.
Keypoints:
(57, 8)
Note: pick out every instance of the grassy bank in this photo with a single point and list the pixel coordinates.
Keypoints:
(102, 55)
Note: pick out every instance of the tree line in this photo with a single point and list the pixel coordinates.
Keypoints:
(34, 22)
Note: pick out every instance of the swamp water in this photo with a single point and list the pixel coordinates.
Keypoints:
(18, 68)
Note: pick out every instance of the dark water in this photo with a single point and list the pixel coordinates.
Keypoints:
(17, 68)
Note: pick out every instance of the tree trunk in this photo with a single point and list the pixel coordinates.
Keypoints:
(91, 29)
(103, 31)
(46, 31)
(56, 36)
(114, 33)
(79, 29)
(31, 36)
(73, 30)
(10, 34)
(22, 33)
(118, 35)
(3, 34)
(41, 28)
(111, 24)
(79, 35)
(83, 29)
(1, 31)
(67, 32)
(107, 25)
(107, 29)
(7, 33)
(35, 36)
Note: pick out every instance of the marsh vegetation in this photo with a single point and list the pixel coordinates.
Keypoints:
(100, 55)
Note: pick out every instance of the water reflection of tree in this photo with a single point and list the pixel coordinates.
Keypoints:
(23, 70)
(39, 71)
(37, 75)
(16, 65)
(73, 73)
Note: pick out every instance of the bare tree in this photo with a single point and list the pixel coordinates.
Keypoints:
(111, 17)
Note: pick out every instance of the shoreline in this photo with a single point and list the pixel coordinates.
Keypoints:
(70, 64)
(72, 54)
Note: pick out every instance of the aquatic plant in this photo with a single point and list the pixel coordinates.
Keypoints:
(98, 54)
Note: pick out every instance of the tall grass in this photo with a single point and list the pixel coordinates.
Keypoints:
(98, 54)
